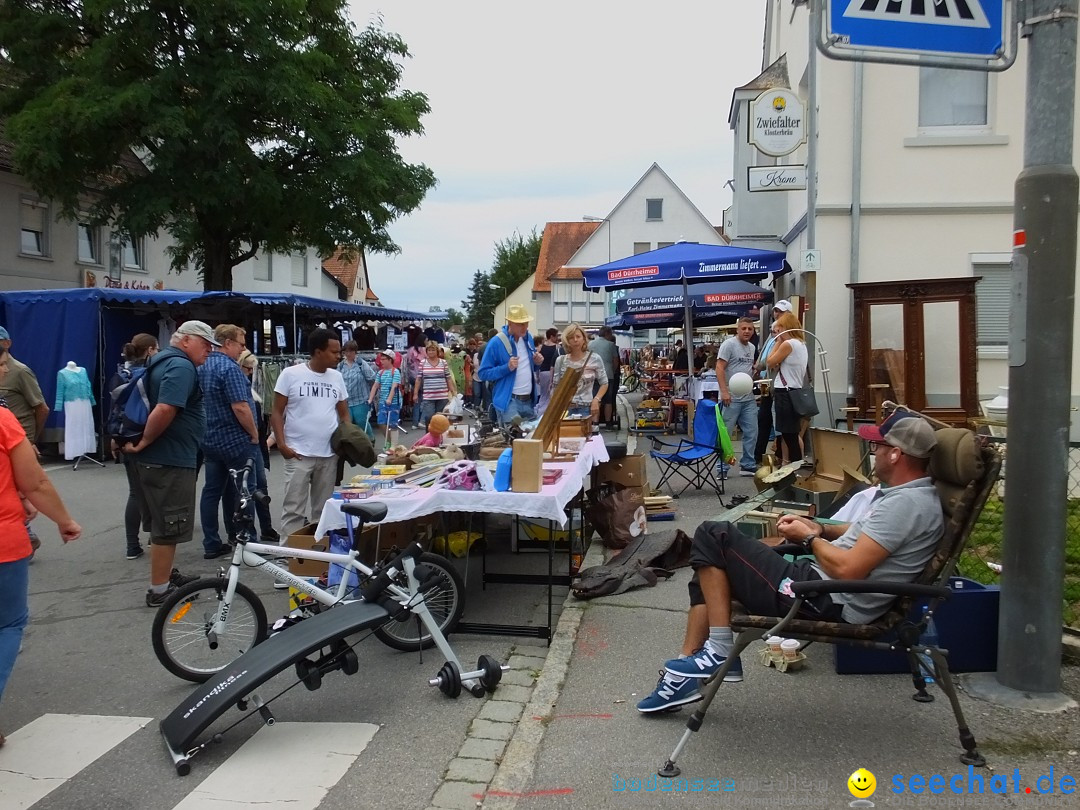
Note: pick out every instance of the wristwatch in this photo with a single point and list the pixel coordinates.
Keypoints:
(809, 539)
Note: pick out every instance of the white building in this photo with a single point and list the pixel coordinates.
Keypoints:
(654, 213)
(915, 170)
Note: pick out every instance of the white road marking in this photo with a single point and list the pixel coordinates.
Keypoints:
(287, 765)
(44, 754)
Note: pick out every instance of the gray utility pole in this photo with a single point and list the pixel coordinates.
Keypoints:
(1040, 357)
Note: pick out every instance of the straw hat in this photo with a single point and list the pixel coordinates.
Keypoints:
(516, 313)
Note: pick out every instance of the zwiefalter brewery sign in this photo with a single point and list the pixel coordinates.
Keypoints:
(777, 122)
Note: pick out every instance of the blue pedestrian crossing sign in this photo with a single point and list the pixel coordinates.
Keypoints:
(950, 32)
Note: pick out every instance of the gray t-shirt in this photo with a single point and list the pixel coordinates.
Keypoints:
(906, 521)
(739, 357)
(608, 352)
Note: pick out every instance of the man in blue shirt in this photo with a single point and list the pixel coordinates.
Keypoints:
(232, 435)
(167, 453)
(508, 363)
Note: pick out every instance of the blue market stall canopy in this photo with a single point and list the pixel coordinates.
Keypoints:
(689, 261)
(732, 297)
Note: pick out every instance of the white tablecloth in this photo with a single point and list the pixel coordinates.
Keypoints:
(548, 504)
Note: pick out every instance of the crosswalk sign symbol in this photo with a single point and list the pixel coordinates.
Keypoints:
(953, 29)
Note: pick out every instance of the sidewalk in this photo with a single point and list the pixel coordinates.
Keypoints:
(776, 739)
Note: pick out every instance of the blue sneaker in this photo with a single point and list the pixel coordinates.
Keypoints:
(704, 664)
(721, 472)
(671, 692)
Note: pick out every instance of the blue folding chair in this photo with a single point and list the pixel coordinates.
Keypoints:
(694, 461)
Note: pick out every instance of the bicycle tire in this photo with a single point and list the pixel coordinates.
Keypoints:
(445, 601)
(180, 627)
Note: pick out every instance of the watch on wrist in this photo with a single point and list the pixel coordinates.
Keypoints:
(809, 539)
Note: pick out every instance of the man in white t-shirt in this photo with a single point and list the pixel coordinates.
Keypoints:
(737, 355)
(310, 400)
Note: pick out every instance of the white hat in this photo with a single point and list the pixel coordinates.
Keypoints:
(389, 353)
(198, 329)
(783, 305)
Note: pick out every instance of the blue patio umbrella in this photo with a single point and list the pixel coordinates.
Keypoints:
(686, 264)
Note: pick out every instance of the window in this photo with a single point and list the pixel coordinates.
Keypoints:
(953, 98)
(299, 269)
(260, 271)
(89, 242)
(663, 244)
(993, 295)
(654, 210)
(34, 222)
(131, 254)
(642, 247)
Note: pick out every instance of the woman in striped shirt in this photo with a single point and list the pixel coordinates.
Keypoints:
(436, 381)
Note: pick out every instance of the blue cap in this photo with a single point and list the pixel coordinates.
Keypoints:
(4, 334)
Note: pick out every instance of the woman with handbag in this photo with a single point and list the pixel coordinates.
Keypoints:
(584, 403)
(789, 359)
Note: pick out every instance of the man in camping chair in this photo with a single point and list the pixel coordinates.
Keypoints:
(894, 540)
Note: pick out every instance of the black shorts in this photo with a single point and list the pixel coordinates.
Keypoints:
(167, 494)
(756, 573)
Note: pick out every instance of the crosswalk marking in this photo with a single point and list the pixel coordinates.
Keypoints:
(962, 13)
(287, 765)
(42, 755)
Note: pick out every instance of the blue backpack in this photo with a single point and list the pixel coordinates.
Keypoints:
(130, 408)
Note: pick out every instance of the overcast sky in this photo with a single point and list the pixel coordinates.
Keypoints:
(548, 111)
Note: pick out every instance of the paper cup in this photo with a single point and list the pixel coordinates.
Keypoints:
(773, 643)
(790, 648)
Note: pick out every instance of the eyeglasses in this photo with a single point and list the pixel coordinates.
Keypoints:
(241, 344)
(875, 445)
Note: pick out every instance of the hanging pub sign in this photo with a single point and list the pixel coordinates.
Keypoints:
(776, 178)
(777, 125)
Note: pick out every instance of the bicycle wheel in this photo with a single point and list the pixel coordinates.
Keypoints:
(445, 600)
(182, 622)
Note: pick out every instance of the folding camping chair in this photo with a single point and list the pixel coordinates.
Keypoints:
(693, 460)
(964, 469)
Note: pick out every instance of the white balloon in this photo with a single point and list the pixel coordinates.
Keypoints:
(740, 384)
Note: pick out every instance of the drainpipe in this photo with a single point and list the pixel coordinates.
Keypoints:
(856, 214)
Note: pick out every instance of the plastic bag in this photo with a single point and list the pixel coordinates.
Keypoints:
(456, 406)
(339, 544)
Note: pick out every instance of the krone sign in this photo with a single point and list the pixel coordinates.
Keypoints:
(777, 122)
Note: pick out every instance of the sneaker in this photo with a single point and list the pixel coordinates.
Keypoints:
(158, 599)
(135, 553)
(221, 551)
(280, 586)
(177, 579)
(671, 692)
(721, 472)
(703, 664)
(743, 471)
(269, 537)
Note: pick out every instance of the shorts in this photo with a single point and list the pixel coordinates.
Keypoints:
(167, 494)
(388, 415)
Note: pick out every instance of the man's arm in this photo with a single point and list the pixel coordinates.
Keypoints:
(277, 424)
(156, 423)
(721, 377)
(243, 414)
(849, 563)
(495, 364)
(41, 413)
(343, 414)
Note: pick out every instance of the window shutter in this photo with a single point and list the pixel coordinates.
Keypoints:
(993, 296)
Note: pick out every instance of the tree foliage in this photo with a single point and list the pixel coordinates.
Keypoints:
(262, 124)
(515, 259)
(480, 304)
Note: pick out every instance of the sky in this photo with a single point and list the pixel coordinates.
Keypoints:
(551, 111)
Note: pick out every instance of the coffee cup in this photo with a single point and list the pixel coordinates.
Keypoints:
(773, 643)
(790, 648)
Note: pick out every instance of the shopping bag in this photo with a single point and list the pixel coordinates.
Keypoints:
(339, 544)
(619, 517)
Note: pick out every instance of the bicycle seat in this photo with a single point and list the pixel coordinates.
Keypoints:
(367, 512)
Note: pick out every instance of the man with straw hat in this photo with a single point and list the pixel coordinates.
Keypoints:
(510, 359)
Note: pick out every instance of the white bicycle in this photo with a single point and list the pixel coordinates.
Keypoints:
(206, 624)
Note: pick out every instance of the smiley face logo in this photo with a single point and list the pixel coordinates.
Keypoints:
(862, 784)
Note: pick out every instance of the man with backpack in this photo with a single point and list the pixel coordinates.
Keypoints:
(167, 451)
(510, 358)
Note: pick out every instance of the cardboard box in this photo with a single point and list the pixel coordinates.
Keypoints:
(967, 626)
(459, 434)
(629, 471)
(527, 472)
(838, 464)
(305, 539)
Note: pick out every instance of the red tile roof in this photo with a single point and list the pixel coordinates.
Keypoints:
(343, 270)
(561, 240)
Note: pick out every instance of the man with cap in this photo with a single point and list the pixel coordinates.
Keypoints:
(508, 364)
(765, 403)
(310, 400)
(893, 540)
(22, 394)
(167, 453)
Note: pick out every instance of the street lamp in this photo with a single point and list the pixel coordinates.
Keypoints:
(501, 289)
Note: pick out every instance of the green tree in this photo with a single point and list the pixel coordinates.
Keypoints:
(480, 304)
(261, 124)
(515, 259)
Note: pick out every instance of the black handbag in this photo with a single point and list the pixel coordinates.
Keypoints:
(803, 401)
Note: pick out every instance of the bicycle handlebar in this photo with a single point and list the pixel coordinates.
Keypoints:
(372, 590)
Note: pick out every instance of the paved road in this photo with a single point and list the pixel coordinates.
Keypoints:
(82, 707)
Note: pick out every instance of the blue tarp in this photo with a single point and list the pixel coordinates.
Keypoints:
(91, 325)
